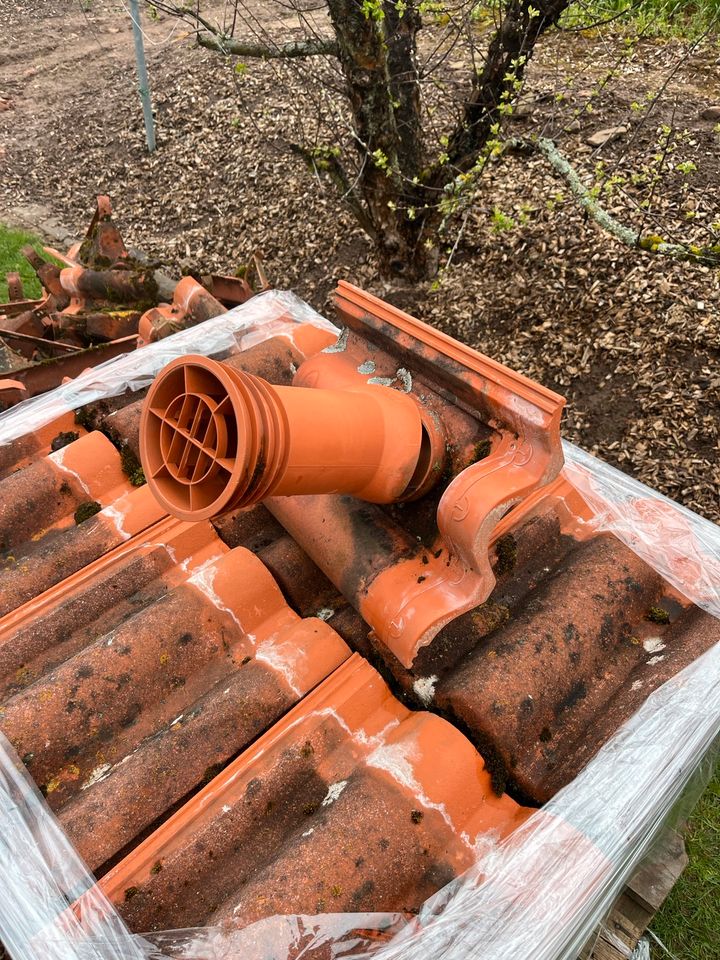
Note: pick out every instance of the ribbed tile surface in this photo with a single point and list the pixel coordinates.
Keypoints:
(350, 803)
(187, 696)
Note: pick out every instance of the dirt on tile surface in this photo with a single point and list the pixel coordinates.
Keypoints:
(631, 339)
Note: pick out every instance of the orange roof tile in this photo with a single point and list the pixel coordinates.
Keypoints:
(186, 693)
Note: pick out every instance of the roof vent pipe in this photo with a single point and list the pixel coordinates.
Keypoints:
(213, 438)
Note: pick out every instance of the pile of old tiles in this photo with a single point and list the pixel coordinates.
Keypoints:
(99, 300)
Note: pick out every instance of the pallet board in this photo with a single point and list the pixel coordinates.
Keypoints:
(641, 899)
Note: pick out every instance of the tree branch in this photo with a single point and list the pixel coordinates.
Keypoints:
(495, 86)
(324, 160)
(634, 239)
(283, 51)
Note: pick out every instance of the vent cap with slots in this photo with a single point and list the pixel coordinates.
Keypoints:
(214, 439)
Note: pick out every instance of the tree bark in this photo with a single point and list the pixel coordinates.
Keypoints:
(651, 243)
(259, 51)
(378, 57)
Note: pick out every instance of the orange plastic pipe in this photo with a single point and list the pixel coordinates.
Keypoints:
(213, 439)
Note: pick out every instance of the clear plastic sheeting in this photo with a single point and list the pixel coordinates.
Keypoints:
(683, 547)
(267, 315)
(41, 875)
(540, 893)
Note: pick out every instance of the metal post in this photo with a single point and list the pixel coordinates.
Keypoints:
(142, 75)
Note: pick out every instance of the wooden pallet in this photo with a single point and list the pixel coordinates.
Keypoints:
(646, 891)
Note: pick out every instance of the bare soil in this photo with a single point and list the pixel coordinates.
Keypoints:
(631, 339)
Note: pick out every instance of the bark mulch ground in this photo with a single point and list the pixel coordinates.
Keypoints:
(631, 339)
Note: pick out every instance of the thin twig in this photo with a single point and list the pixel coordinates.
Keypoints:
(461, 231)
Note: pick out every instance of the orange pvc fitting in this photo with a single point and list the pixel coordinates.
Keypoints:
(214, 439)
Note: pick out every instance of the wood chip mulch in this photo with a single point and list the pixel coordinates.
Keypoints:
(632, 340)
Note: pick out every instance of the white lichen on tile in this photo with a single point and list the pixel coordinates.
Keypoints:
(334, 791)
(424, 689)
(653, 644)
(98, 774)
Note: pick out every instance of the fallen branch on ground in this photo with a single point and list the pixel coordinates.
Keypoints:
(283, 51)
(710, 256)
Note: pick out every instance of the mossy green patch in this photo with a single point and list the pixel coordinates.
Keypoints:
(657, 615)
(481, 450)
(64, 438)
(131, 467)
(84, 418)
(87, 510)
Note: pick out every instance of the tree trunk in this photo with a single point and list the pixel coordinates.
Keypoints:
(377, 50)
(398, 197)
(377, 47)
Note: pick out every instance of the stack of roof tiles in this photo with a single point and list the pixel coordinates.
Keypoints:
(98, 301)
(318, 704)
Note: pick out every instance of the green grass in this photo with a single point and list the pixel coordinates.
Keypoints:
(689, 921)
(11, 259)
(687, 19)
(684, 19)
